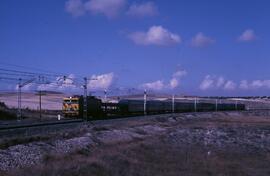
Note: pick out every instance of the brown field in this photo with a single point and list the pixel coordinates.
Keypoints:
(231, 143)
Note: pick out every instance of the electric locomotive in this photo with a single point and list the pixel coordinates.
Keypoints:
(74, 107)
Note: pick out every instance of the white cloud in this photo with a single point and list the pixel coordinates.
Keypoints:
(261, 84)
(143, 10)
(109, 8)
(180, 73)
(101, 82)
(200, 40)
(247, 36)
(220, 81)
(157, 85)
(156, 35)
(174, 82)
(255, 84)
(207, 83)
(69, 84)
(244, 84)
(28, 87)
(230, 85)
(59, 84)
(160, 85)
(97, 82)
(66, 83)
(75, 7)
(213, 82)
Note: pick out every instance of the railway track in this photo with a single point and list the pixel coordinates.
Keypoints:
(117, 118)
(34, 125)
(37, 127)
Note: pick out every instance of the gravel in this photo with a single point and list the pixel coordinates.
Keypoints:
(249, 138)
(246, 139)
(19, 156)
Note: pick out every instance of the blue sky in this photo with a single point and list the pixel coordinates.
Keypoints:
(216, 47)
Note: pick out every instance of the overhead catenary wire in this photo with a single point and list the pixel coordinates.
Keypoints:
(28, 73)
(10, 78)
(15, 74)
(31, 68)
(52, 76)
(40, 71)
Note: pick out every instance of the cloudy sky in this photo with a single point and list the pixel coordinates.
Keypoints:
(193, 47)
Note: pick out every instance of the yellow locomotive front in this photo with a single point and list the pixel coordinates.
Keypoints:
(71, 106)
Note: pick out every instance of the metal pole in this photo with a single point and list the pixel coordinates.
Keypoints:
(236, 105)
(40, 104)
(216, 105)
(144, 102)
(105, 96)
(19, 115)
(20, 100)
(85, 115)
(172, 103)
(195, 104)
(105, 100)
(39, 78)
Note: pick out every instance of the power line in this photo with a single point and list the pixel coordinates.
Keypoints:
(28, 73)
(32, 68)
(43, 71)
(8, 78)
(15, 74)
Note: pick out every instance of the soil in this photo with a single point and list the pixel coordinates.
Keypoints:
(218, 144)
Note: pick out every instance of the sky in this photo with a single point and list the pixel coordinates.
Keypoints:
(186, 47)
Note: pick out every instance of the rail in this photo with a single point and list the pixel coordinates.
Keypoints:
(31, 125)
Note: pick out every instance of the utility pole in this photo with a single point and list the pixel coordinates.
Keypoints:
(40, 105)
(39, 78)
(105, 100)
(105, 96)
(195, 104)
(144, 102)
(85, 115)
(216, 105)
(19, 114)
(20, 85)
(173, 103)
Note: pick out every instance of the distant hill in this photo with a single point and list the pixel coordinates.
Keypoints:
(52, 92)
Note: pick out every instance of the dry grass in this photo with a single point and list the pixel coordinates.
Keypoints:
(6, 142)
(160, 155)
(152, 157)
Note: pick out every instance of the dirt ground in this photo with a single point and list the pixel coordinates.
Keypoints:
(192, 144)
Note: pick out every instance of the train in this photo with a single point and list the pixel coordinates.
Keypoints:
(95, 108)
(75, 107)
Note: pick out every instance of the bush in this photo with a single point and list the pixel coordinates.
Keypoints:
(3, 105)
(5, 112)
